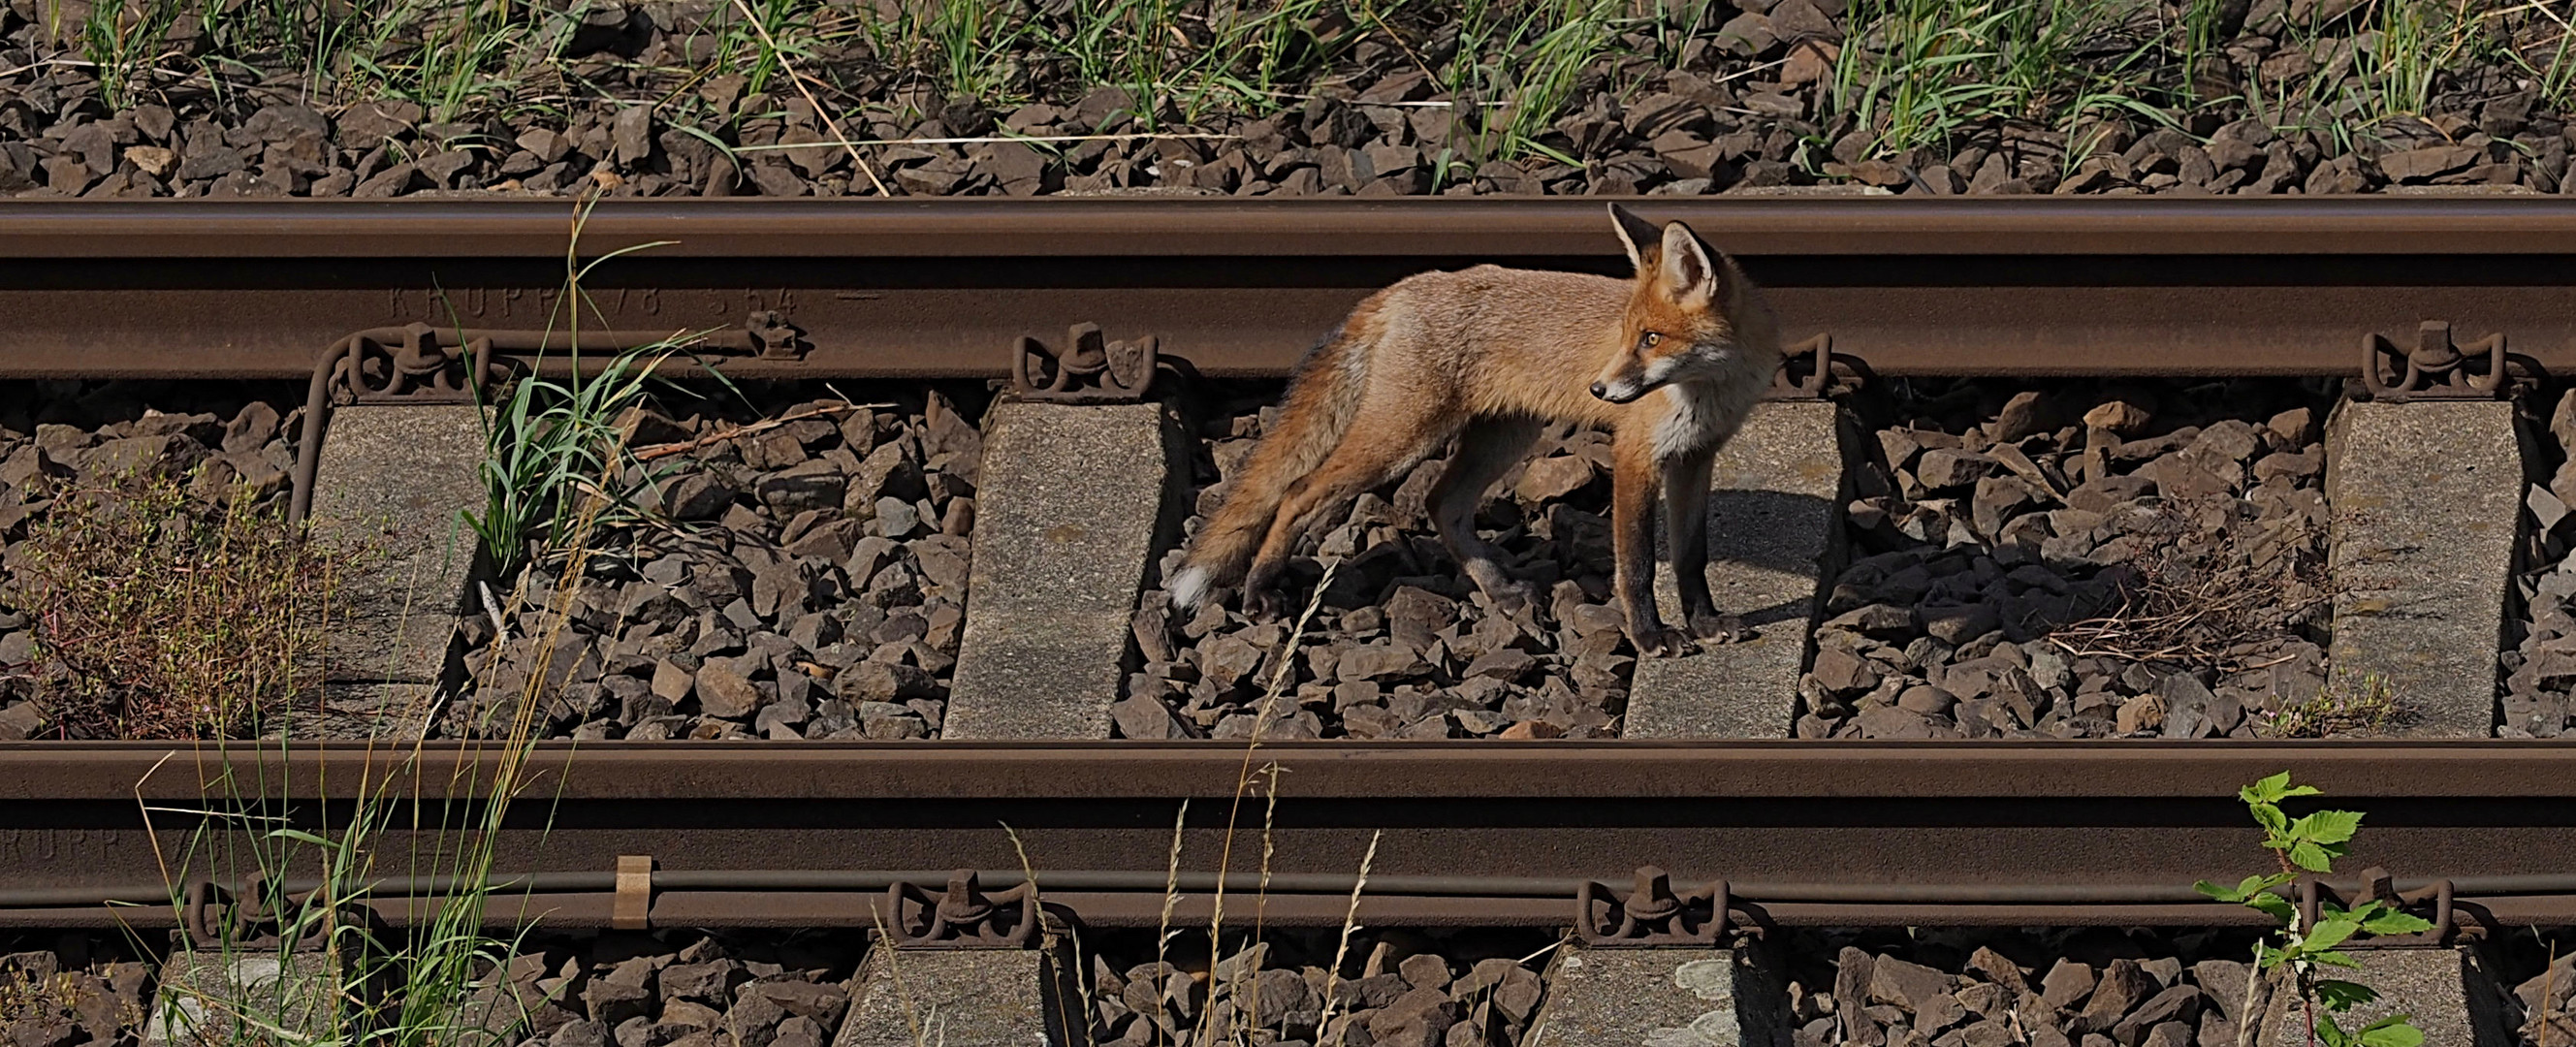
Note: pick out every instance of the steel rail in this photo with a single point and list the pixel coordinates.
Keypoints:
(850, 898)
(1340, 885)
(1890, 824)
(971, 227)
(758, 909)
(899, 289)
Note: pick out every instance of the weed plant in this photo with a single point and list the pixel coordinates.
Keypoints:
(2303, 950)
(163, 614)
(431, 983)
(2367, 705)
(555, 444)
(1914, 74)
(550, 443)
(1925, 74)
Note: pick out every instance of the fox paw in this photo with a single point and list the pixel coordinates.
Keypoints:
(1662, 642)
(1260, 604)
(1719, 628)
(1511, 600)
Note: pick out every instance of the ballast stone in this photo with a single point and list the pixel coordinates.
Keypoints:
(1774, 528)
(1075, 503)
(2425, 499)
(1665, 997)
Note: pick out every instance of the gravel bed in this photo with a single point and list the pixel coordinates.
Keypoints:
(1402, 644)
(72, 990)
(1991, 987)
(802, 578)
(1397, 988)
(2019, 559)
(57, 436)
(572, 989)
(667, 988)
(2539, 658)
(1734, 100)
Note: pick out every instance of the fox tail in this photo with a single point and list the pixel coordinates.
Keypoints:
(1318, 411)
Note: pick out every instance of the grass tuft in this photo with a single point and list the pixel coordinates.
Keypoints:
(2343, 706)
(550, 443)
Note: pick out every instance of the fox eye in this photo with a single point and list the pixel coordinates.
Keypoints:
(1652, 338)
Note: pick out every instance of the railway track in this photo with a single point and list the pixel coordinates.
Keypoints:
(944, 294)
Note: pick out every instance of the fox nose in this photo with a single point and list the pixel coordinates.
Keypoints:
(1600, 391)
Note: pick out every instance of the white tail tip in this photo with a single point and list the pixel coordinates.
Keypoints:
(1188, 587)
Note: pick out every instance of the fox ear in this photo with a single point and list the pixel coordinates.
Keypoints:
(1688, 266)
(1637, 235)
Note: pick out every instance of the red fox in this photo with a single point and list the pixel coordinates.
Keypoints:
(1670, 362)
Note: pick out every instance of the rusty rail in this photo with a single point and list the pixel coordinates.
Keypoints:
(858, 898)
(2041, 832)
(951, 287)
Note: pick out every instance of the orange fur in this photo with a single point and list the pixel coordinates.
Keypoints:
(1670, 362)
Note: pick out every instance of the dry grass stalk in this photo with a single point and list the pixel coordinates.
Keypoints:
(1342, 951)
(1283, 661)
(1171, 901)
(798, 77)
(2206, 604)
(2548, 993)
(732, 431)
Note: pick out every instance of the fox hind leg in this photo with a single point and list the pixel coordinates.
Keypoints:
(1486, 450)
(1369, 455)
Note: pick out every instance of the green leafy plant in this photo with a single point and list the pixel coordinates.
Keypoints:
(2308, 845)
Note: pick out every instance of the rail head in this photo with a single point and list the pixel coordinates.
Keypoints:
(1609, 771)
(1541, 227)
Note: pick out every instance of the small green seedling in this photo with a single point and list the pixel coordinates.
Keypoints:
(2310, 844)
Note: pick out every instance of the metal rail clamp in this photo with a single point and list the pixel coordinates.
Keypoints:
(962, 916)
(1651, 913)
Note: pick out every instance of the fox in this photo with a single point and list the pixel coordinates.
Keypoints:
(1670, 362)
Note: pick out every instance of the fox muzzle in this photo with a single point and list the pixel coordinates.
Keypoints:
(1624, 392)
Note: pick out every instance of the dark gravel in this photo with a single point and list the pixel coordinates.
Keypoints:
(2000, 533)
(797, 580)
(1988, 988)
(1396, 988)
(1741, 110)
(58, 436)
(2539, 658)
(570, 989)
(686, 988)
(1402, 644)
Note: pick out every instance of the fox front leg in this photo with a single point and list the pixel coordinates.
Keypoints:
(1632, 544)
(1686, 522)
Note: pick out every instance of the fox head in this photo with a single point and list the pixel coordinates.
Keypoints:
(1677, 326)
